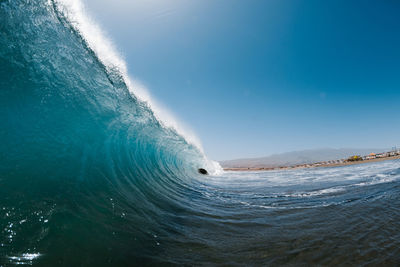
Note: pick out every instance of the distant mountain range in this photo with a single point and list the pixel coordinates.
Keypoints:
(298, 157)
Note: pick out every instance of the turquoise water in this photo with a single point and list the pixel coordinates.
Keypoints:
(86, 168)
(89, 176)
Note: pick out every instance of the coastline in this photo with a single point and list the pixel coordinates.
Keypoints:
(312, 165)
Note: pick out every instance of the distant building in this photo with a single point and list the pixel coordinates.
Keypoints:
(371, 156)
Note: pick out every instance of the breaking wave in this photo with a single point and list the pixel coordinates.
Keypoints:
(94, 173)
(84, 149)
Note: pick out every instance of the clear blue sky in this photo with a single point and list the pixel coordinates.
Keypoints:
(252, 78)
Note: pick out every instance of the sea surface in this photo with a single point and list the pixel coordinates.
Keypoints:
(92, 174)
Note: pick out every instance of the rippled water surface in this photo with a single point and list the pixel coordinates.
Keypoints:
(328, 216)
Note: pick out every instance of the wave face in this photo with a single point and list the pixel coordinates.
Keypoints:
(85, 164)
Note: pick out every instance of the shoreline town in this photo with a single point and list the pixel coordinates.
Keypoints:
(353, 160)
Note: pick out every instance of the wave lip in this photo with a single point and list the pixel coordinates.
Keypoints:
(74, 11)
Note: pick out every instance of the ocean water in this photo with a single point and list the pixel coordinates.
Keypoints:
(92, 174)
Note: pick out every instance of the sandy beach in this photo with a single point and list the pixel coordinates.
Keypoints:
(312, 165)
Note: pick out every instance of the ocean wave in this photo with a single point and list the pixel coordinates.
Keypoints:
(80, 140)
